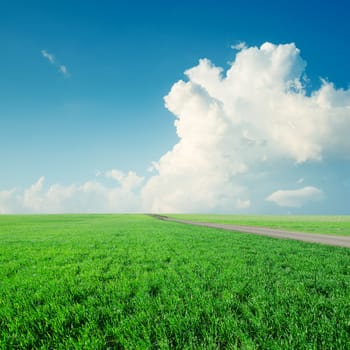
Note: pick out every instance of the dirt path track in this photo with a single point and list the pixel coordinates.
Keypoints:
(340, 241)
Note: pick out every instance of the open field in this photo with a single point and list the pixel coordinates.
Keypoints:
(332, 225)
(134, 282)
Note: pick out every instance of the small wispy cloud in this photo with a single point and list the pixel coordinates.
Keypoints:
(52, 59)
(239, 46)
(64, 71)
(49, 56)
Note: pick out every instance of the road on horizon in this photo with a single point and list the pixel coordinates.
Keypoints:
(340, 241)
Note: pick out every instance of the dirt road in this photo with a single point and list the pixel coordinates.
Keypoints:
(340, 241)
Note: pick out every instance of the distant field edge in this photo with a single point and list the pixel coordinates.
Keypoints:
(334, 240)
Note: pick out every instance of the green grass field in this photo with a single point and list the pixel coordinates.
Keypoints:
(332, 225)
(134, 282)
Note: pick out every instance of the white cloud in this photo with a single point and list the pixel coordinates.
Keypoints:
(129, 181)
(243, 204)
(295, 198)
(63, 69)
(241, 122)
(92, 196)
(239, 46)
(52, 59)
(32, 197)
(239, 129)
(49, 56)
(8, 203)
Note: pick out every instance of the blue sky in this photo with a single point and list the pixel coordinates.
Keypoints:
(106, 111)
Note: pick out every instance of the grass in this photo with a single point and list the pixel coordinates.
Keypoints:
(332, 225)
(134, 282)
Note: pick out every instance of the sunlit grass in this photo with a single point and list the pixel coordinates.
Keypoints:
(134, 282)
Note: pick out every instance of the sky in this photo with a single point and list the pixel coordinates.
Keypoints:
(188, 106)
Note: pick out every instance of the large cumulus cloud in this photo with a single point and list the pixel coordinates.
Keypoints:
(242, 121)
(237, 129)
